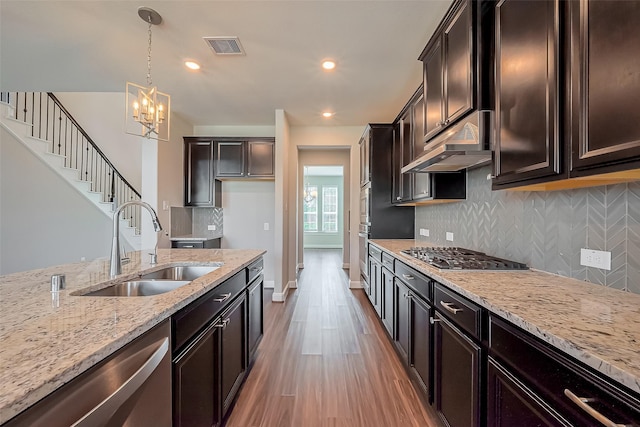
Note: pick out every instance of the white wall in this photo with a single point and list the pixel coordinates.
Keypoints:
(43, 220)
(170, 176)
(246, 207)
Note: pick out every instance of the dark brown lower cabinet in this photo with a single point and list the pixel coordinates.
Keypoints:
(233, 360)
(420, 343)
(255, 310)
(457, 368)
(401, 296)
(511, 403)
(387, 299)
(195, 376)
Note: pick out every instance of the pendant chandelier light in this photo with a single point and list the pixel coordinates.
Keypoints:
(308, 196)
(147, 111)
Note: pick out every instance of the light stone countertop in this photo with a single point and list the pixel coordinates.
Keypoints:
(598, 326)
(45, 342)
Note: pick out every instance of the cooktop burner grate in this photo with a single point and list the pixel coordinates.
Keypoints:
(454, 258)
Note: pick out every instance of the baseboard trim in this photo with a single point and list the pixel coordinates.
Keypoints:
(353, 284)
(269, 284)
(301, 266)
(282, 296)
(346, 266)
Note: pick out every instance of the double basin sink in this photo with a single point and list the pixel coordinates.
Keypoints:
(156, 282)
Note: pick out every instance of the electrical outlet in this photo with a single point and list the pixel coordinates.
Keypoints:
(211, 227)
(83, 258)
(596, 259)
(424, 232)
(449, 236)
(266, 226)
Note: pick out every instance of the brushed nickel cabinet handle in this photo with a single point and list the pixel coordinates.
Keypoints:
(222, 298)
(583, 403)
(432, 320)
(408, 277)
(450, 307)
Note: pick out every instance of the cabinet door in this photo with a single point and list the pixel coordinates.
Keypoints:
(420, 360)
(365, 173)
(230, 159)
(261, 158)
(198, 173)
(233, 355)
(401, 298)
(433, 90)
(256, 318)
(374, 284)
(458, 54)
(511, 403)
(527, 139)
(421, 181)
(396, 190)
(387, 300)
(605, 82)
(407, 153)
(456, 376)
(195, 383)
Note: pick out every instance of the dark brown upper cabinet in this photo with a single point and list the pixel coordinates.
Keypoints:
(245, 158)
(450, 69)
(527, 103)
(566, 78)
(419, 188)
(605, 84)
(200, 187)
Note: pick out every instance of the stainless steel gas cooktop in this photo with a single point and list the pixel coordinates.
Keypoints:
(452, 258)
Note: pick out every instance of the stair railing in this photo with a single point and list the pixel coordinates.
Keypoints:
(51, 122)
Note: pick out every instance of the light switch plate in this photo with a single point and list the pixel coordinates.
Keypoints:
(424, 232)
(449, 236)
(596, 259)
(266, 226)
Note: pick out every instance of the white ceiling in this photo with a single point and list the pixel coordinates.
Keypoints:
(96, 46)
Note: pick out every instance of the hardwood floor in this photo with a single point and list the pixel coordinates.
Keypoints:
(325, 360)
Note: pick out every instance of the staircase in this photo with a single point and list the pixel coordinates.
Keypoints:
(43, 125)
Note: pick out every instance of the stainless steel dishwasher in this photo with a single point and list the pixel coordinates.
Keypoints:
(130, 388)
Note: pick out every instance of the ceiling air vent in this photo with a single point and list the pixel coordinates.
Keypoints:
(225, 45)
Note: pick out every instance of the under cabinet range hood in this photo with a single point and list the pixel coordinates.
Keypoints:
(465, 145)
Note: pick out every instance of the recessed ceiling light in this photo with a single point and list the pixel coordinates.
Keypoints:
(327, 114)
(192, 65)
(328, 64)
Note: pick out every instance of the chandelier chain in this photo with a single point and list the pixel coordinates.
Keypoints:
(149, 81)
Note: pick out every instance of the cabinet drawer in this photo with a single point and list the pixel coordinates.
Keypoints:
(551, 374)
(187, 244)
(387, 261)
(375, 253)
(418, 282)
(255, 269)
(462, 312)
(191, 319)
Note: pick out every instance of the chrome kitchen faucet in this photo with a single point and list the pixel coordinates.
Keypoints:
(115, 266)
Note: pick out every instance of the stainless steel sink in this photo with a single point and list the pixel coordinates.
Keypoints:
(157, 282)
(183, 272)
(138, 288)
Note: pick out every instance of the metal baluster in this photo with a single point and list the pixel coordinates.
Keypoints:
(40, 118)
(33, 109)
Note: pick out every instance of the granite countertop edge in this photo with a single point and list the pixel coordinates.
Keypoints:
(587, 339)
(41, 351)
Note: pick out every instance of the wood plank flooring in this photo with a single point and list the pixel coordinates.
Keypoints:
(325, 360)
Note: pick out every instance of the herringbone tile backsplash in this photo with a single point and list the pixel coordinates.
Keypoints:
(545, 229)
